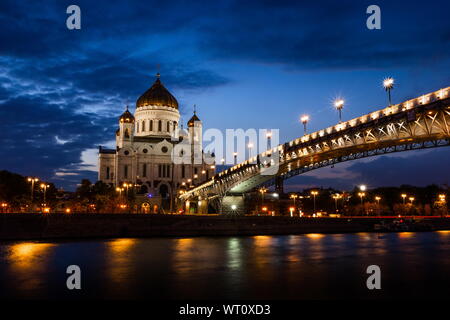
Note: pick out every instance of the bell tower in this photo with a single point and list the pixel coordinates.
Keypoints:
(126, 128)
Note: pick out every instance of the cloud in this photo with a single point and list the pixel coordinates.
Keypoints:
(61, 91)
(330, 34)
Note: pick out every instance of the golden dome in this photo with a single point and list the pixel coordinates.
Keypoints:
(126, 117)
(157, 95)
(193, 120)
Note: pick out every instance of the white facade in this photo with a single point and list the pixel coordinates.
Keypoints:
(144, 144)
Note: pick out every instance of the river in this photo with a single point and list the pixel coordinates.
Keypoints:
(310, 266)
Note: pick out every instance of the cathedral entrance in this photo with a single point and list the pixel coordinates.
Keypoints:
(145, 207)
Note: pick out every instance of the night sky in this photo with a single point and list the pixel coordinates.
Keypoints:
(245, 64)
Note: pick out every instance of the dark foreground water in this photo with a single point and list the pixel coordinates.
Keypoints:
(313, 266)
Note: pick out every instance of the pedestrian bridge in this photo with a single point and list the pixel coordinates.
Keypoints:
(423, 122)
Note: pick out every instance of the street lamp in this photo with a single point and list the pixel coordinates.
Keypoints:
(411, 199)
(388, 85)
(269, 137)
(304, 119)
(442, 198)
(339, 105)
(377, 198)
(314, 193)
(404, 197)
(235, 157)
(363, 187)
(250, 146)
(32, 180)
(126, 186)
(119, 190)
(294, 197)
(336, 197)
(45, 186)
(362, 195)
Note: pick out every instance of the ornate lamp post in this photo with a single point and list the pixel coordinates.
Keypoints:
(336, 197)
(362, 195)
(250, 147)
(32, 180)
(294, 197)
(269, 137)
(304, 119)
(388, 85)
(404, 197)
(45, 186)
(339, 105)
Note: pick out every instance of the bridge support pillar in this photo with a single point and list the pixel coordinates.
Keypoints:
(202, 207)
(234, 205)
(279, 185)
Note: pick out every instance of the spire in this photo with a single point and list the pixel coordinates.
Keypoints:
(195, 109)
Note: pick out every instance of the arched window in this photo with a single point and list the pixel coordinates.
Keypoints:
(143, 126)
(107, 173)
(144, 170)
(151, 125)
(168, 126)
(159, 125)
(137, 126)
(127, 133)
(175, 124)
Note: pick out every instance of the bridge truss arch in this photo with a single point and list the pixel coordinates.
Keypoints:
(419, 123)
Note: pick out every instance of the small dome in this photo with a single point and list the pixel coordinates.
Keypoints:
(193, 120)
(126, 117)
(157, 95)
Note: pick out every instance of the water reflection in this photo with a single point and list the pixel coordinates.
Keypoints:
(119, 264)
(310, 266)
(28, 263)
(234, 258)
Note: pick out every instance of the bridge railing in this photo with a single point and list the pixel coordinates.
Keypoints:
(390, 110)
(378, 114)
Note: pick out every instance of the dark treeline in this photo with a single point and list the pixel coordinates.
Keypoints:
(17, 195)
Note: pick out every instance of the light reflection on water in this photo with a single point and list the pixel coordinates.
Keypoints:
(260, 267)
(28, 262)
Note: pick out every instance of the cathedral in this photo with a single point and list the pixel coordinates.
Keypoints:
(154, 155)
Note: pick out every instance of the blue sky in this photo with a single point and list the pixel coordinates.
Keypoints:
(246, 64)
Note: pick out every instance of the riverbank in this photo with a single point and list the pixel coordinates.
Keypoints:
(84, 226)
